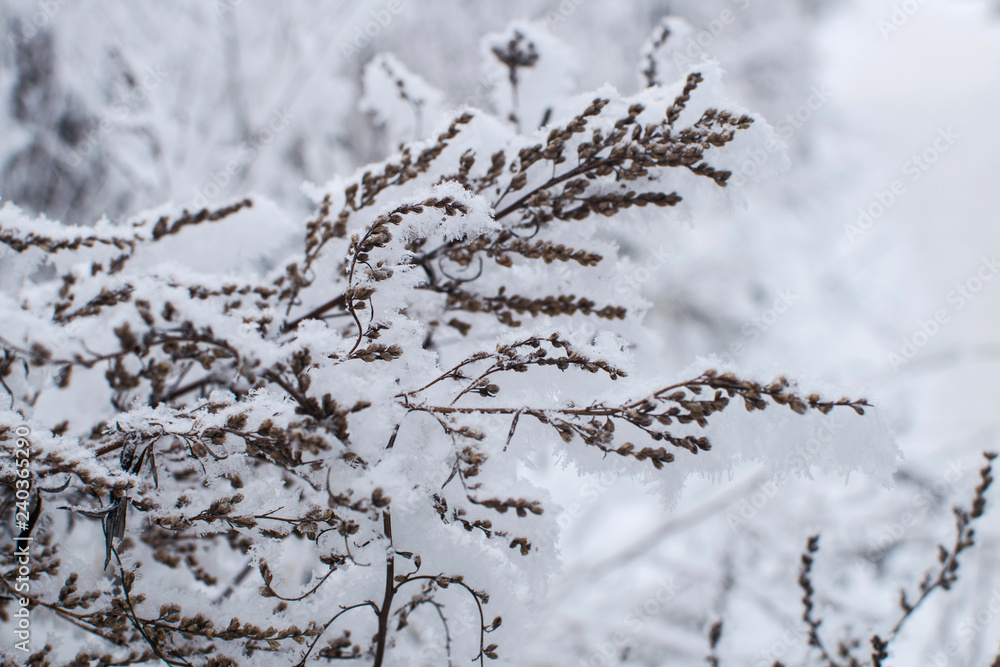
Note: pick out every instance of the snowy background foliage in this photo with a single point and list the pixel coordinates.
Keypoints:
(853, 250)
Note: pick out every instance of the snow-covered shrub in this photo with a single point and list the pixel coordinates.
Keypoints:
(315, 453)
(857, 651)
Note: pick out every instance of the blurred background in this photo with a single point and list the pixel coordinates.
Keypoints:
(864, 257)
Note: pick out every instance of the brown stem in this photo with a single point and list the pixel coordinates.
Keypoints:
(555, 180)
(180, 391)
(390, 591)
(576, 171)
(339, 301)
(301, 399)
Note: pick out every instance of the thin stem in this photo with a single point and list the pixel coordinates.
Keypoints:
(576, 171)
(316, 312)
(390, 591)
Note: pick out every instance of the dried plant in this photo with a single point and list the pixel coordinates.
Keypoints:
(714, 635)
(518, 53)
(941, 577)
(400, 102)
(321, 458)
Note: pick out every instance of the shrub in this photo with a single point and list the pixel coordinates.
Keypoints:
(320, 460)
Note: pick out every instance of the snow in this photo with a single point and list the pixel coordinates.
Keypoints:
(771, 276)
